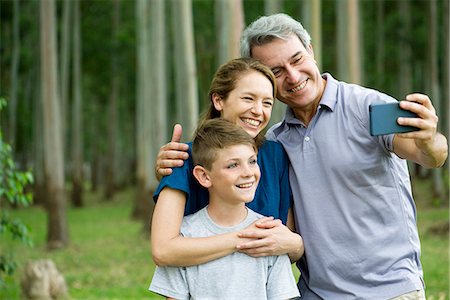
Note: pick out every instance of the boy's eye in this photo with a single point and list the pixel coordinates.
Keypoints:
(232, 166)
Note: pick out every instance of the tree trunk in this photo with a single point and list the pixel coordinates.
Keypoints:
(230, 23)
(77, 144)
(64, 66)
(110, 174)
(279, 108)
(53, 161)
(145, 156)
(380, 45)
(14, 77)
(342, 40)
(354, 41)
(186, 72)
(438, 187)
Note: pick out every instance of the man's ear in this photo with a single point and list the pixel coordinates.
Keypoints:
(202, 176)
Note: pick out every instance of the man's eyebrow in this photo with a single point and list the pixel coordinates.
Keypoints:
(291, 58)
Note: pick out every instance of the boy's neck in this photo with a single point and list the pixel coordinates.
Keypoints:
(226, 214)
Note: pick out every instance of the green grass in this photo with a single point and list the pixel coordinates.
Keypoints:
(109, 257)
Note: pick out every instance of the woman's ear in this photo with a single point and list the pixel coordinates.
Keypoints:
(217, 102)
(202, 176)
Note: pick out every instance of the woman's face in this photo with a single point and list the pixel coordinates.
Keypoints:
(250, 104)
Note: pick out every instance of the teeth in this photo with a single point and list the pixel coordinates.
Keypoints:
(251, 122)
(245, 185)
(300, 87)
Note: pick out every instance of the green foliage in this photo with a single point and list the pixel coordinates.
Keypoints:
(12, 189)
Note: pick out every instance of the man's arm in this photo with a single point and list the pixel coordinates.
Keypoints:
(171, 154)
(426, 146)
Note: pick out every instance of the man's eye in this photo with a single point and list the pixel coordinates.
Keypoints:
(276, 72)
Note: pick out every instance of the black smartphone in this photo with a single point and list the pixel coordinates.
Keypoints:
(383, 118)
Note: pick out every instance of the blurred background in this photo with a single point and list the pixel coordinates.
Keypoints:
(90, 90)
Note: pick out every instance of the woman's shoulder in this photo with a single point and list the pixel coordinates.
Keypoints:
(271, 152)
(270, 147)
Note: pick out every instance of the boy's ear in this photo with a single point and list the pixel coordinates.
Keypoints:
(202, 176)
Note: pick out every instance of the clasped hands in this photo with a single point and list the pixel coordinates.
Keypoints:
(268, 236)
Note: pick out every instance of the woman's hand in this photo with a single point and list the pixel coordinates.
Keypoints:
(271, 237)
(171, 154)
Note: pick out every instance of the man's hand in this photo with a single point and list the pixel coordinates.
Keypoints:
(271, 238)
(171, 154)
(430, 147)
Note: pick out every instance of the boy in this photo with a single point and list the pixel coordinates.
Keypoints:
(225, 159)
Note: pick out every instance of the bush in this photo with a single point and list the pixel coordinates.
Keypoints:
(12, 193)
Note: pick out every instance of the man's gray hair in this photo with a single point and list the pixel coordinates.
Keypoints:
(267, 28)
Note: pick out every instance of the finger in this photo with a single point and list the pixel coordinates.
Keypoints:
(421, 99)
(172, 155)
(252, 234)
(177, 133)
(164, 172)
(268, 224)
(170, 163)
(175, 146)
(423, 110)
(252, 244)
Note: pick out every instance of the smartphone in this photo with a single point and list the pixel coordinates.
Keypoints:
(383, 118)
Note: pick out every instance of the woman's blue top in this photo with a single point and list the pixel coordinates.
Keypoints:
(273, 196)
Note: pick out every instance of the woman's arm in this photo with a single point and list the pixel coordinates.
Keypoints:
(169, 248)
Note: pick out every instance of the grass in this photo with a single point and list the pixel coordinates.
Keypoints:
(109, 257)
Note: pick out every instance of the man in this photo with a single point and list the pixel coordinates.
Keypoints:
(352, 194)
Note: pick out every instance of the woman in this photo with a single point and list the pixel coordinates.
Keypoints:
(243, 92)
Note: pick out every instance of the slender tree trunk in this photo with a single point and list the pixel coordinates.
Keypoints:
(354, 41)
(186, 72)
(279, 108)
(110, 183)
(144, 110)
(380, 45)
(14, 77)
(53, 161)
(77, 147)
(64, 66)
(230, 23)
(342, 40)
(438, 187)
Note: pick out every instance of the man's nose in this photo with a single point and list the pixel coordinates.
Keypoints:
(291, 74)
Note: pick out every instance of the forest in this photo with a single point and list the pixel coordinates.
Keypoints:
(91, 89)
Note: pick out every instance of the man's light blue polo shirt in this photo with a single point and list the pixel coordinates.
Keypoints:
(352, 200)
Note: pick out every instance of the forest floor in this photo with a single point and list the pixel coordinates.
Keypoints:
(109, 253)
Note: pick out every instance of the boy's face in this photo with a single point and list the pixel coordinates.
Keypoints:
(235, 174)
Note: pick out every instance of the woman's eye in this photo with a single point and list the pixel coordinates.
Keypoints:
(268, 103)
(253, 162)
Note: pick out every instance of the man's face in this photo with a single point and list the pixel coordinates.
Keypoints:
(299, 83)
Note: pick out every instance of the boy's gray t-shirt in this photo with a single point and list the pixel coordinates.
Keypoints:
(236, 276)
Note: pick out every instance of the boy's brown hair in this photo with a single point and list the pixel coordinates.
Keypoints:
(214, 135)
